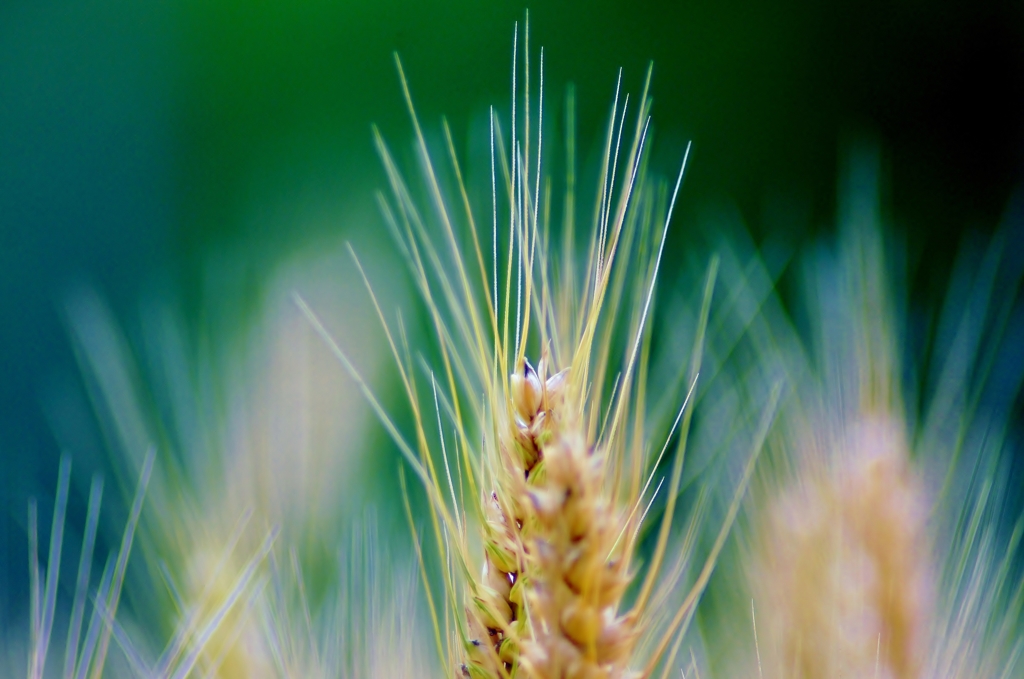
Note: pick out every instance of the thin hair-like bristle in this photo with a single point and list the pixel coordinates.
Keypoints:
(82, 582)
(121, 563)
(53, 565)
(33, 579)
(92, 634)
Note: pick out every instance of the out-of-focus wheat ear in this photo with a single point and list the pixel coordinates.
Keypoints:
(114, 597)
(82, 583)
(192, 618)
(844, 561)
(43, 607)
(213, 622)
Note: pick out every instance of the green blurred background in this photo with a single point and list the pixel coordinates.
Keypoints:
(139, 141)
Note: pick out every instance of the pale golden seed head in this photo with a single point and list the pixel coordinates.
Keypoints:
(843, 580)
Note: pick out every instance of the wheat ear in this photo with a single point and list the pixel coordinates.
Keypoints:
(864, 561)
(538, 536)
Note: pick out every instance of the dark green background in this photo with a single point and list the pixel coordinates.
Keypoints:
(140, 139)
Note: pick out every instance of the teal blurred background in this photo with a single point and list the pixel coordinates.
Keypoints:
(139, 141)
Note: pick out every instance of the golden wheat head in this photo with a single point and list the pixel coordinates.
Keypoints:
(863, 560)
(541, 473)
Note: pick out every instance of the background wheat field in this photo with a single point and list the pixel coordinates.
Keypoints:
(173, 173)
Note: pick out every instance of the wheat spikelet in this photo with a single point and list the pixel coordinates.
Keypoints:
(560, 555)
